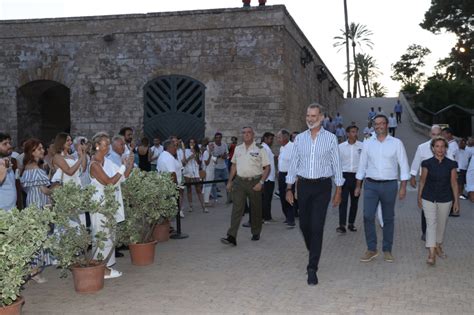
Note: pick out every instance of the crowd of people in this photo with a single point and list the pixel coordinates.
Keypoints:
(303, 168)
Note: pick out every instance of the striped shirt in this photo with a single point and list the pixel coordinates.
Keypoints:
(316, 158)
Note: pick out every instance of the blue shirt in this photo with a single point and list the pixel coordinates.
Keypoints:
(317, 158)
(398, 108)
(114, 157)
(8, 191)
(438, 180)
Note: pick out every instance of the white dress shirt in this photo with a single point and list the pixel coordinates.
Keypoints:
(380, 160)
(156, 151)
(316, 158)
(423, 152)
(453, 149)
(350, 156)
(271, 158)
(392, 122)
(463, 159)
(284, 158)
(168, 164)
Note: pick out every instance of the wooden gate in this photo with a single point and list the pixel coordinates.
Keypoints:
(174, 105)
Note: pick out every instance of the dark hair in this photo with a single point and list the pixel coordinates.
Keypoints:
(59, 142)
(189, 142)
(267, 135)
(285, 133)
(124, 130)
(348, 129)
(167, 144)
(29, 146)
(145, 142)
(4, 136)
(381, 116)
(218, 134)
(448, 130)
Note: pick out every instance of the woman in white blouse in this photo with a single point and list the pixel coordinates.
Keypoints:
(192, 166)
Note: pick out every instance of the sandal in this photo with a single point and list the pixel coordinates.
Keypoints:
(431, 260)
(440, 253)
(113, 274)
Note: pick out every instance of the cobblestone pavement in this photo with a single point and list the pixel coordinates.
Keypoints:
(199, 275)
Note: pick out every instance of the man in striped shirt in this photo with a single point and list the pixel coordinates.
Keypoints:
(314, 160)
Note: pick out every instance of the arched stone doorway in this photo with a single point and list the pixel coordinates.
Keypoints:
(174, 105)
(43, 110)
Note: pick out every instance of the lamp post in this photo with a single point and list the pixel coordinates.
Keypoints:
(347, 51)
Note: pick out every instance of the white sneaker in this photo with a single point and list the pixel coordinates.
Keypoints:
(206, 210)
(462, 197)
(113, 274)
(181, 213)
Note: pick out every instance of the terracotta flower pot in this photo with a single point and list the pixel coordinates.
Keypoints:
(142, 254)
(14, 308)
(161, 233)
(88, 279)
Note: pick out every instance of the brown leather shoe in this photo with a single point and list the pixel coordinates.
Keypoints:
(369, 256)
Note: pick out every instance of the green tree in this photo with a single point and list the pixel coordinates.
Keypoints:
(455, 16)
(408, 69)
(379, 90)
(359, 35)
(368, 71)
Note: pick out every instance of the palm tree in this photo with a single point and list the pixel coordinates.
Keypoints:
(368, 70)
(359, 35)
(379, 89)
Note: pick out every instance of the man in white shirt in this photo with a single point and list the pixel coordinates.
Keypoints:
(423, 152)
(392, 124)
(284, 160)
(167, 162)
(221, 172)
(269, 185)
(381, 156)
(463, 162)
(314, 161)
(368, 130)
(156, 150)
(349, 151)
(453, 147)
(338, 120)
(8, 193)
(127, 134)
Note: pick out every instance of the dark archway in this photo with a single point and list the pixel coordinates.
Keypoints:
(43, 110)
(174, 105)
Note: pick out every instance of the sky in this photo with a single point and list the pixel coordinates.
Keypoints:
(395, 24)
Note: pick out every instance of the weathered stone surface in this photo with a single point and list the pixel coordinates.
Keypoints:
(248, 59)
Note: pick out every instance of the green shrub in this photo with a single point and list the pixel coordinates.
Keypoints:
(149, 198)
(23, 234)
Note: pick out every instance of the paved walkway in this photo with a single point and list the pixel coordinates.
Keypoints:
(199, 275)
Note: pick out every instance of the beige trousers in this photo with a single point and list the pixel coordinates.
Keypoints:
(436, 214)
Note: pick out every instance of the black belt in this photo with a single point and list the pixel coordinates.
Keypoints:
(380, 181)
(349, 173)
(313, 180)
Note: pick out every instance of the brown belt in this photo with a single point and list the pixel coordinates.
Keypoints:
(249, 178)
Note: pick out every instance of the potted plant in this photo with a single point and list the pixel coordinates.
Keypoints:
(22, 235)
(72, 244)
(149, 198)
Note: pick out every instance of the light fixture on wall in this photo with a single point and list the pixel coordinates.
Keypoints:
(321, 73)
(306, 56)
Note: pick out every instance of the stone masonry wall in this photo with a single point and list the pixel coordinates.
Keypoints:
(248, 59)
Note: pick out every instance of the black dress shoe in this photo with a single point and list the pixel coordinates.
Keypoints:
(352, 228)
(229, 240)
(255, 237)
(312, 277)
(341, 229)
(118, 254)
